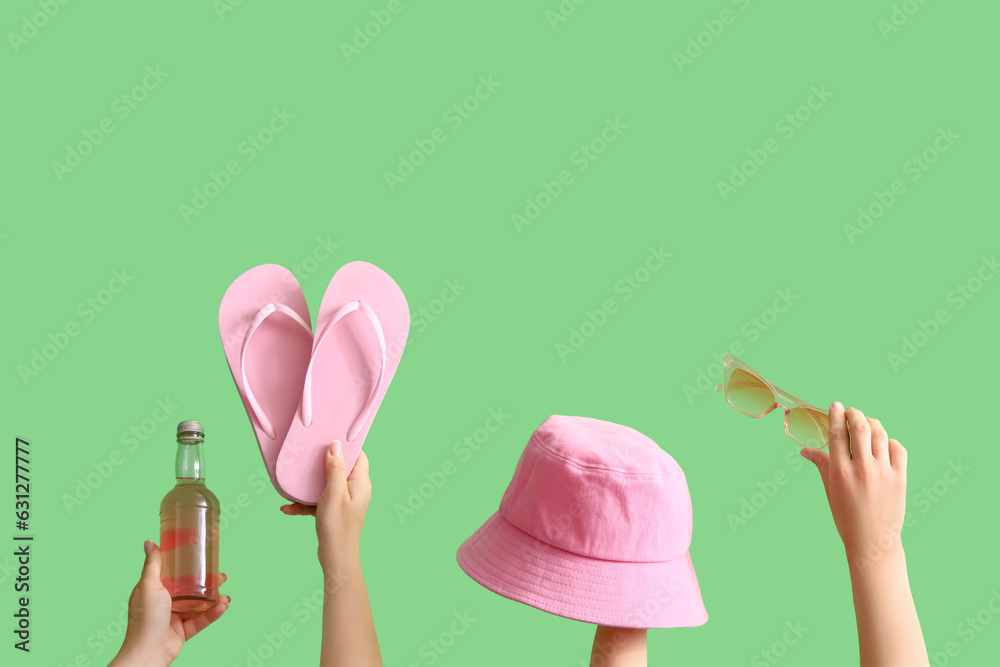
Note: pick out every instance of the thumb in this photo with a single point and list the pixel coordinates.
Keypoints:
(336, 469)
(151, 568)
(820, 458)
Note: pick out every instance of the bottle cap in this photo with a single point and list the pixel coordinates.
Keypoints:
(193, 427)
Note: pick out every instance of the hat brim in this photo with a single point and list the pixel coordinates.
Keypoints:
(516, 565)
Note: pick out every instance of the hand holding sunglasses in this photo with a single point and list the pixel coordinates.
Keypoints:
(867, 497)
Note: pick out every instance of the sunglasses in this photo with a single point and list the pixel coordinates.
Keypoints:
(754, 396)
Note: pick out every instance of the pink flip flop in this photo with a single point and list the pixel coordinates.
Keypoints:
(361, 332)
(267, 336)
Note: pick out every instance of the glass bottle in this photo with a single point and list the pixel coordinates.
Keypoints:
(189, 528)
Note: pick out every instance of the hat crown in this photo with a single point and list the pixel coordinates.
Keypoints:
(601, 490)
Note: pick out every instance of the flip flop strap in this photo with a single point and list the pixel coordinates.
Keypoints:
(369, 406)
(258, 319)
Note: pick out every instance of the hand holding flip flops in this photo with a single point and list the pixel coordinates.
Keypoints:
(304, 388)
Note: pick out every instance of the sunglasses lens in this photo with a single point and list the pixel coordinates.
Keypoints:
(748, 393)
(808, 427)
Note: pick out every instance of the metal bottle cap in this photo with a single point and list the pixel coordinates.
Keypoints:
(192, 427)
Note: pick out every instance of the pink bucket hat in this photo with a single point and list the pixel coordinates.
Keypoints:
(595, 526)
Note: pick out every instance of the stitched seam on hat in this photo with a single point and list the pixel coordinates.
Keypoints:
(524, 596)
(521, 595)
(578, 555)
(569, 592)
(595, 578)
(605, 470)
(679, 605)
(583, 604)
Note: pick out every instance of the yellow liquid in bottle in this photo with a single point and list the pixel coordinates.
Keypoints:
(189, 542)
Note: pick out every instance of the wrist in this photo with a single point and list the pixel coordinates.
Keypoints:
(128, 657)
(618, 646)
(341, 565)
(877, 560)
(875, 553)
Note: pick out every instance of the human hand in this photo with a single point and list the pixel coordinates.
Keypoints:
(340, 512)
(155, 636)
(348, 627)
(864, 474)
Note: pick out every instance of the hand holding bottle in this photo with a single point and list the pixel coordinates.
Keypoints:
(155, 636)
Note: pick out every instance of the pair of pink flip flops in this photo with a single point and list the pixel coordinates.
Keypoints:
(303, 390)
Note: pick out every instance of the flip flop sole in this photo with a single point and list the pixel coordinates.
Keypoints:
(277, 354)
(344, 375)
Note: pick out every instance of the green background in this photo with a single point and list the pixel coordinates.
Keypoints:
(323, 177)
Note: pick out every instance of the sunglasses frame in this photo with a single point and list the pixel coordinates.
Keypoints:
(782, 398)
